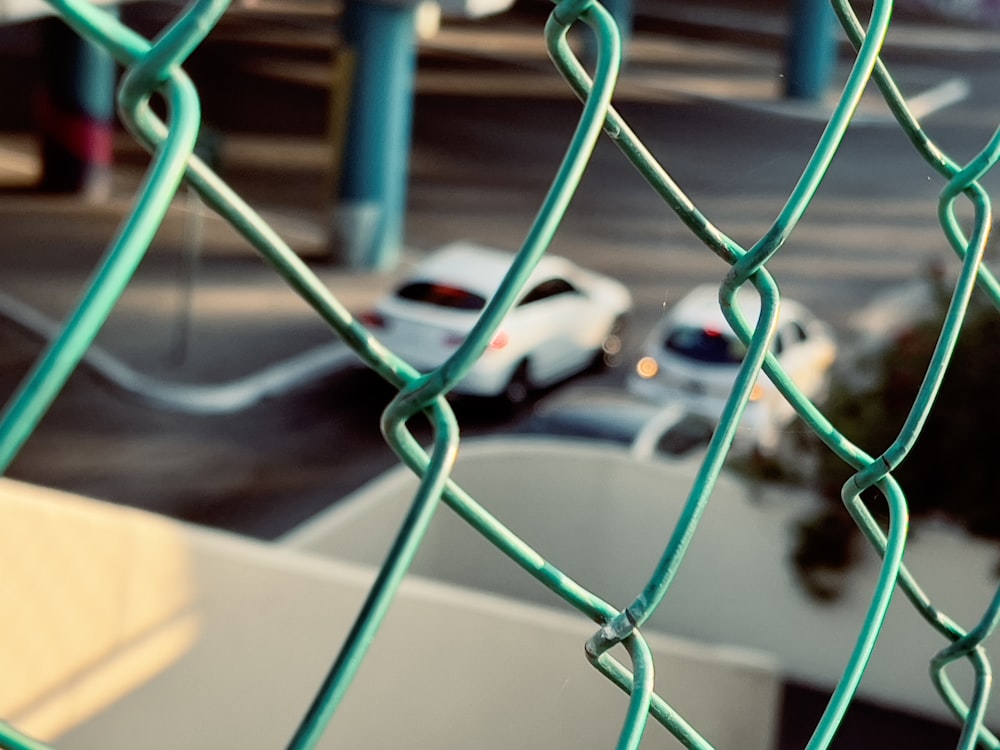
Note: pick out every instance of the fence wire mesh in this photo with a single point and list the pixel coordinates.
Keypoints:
(155, 68)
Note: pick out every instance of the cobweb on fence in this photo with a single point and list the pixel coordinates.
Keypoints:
(156, 68)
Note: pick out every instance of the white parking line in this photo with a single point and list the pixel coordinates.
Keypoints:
(938, 97)
(193, 398)
(13, 160)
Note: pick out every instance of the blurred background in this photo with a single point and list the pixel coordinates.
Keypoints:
(721, 93)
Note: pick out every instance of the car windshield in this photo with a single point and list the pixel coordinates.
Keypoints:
(441, 295)
(705, 345)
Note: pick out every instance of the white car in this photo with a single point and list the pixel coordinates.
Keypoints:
(692, 356)
(566, 319)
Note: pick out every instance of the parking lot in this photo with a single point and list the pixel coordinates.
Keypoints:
(480, 166)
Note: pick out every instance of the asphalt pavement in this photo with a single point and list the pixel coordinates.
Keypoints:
(213, 393)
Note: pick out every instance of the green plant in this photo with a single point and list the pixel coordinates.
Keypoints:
(949, 473)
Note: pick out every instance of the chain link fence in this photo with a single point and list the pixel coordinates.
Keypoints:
(156, 68)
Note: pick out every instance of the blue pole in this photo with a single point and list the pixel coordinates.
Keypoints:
(75, 112)
(621, 11)
(372, 197)
(812, 50)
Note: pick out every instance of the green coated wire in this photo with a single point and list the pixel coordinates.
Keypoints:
(774, 238)
(969, 646)
(12, 739)
(128, 48)
(43, 383)
(414, 398)
(745, 266)
(718, 242)
(382, 592)
(960, 181)
(155, 67)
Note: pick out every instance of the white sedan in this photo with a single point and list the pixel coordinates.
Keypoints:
(566, 319)
(692, 356)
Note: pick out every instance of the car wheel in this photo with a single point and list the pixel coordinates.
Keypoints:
(519, 386)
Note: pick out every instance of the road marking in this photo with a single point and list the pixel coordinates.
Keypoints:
(274, 380)
(938, 97)
(872, 111)
(13, 160)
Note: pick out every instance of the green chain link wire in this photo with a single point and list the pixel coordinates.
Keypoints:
(155, 68)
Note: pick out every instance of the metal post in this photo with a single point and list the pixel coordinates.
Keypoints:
(369, 217)
(75, 113)
(812, 50)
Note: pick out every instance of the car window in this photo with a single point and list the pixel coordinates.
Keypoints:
(791, 334)
(705, 345)
(441, 295)
(548, 288)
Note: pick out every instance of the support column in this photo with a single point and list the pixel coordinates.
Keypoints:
(370, 214)
(812, 50)
(621, 11)
(75, 111)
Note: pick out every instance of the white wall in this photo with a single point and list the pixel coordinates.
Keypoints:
(604, 519)
(123, 630)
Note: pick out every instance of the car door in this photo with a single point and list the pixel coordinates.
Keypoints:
(561, 322)
(803, 357)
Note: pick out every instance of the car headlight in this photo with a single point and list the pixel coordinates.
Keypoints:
(647, 368)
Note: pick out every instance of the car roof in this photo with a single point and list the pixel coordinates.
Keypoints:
(479, 268)
(700, 308)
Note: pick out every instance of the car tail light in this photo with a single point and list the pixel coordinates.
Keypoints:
(647, 368)
(372, 319)
(500, 340)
